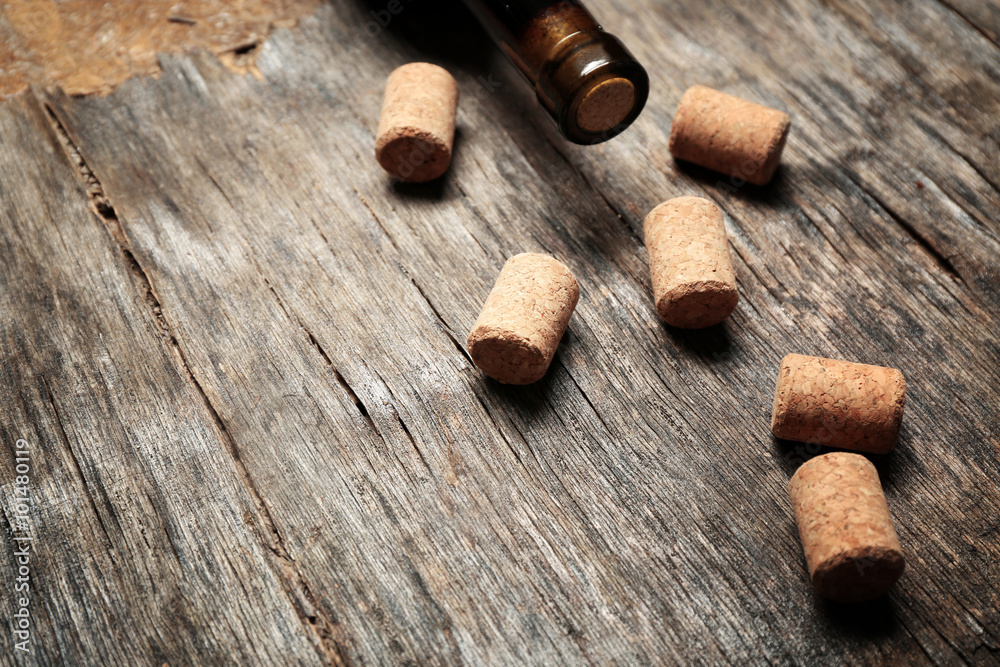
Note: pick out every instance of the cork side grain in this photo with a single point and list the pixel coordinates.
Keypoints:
(694, 284)
(850, 544)
(729, 134)
(416, 130)
(838, 404)
(525, 316)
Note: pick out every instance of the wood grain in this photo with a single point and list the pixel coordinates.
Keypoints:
(89, 47)
(264, 441)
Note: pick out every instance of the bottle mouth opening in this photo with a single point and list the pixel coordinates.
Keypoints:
(594, 89)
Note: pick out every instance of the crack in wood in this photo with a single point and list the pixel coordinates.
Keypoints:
(413, 442)
(585, 397)
(972, 165)
(458, 346)
(989, 37)
(159, 515)
(500, 431)
(341, 380)
(470, 206)
(767, 288)
(328, 646)
(939, 258)
(244, 49)
(357, 401)
(406, 430)
(586, 179)
(96, 196)
(444, 324)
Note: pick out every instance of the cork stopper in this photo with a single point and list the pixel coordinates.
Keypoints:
(606, 105)
(694, 284)
(729, 135)
(524, 318)
(851, 547)
(838, 404)
(416, 131)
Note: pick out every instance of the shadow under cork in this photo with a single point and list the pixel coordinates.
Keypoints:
(430, 191)
(711, 344)
(524, 400)
(769, 195)
(792, 454)
(869, 620)
(530, 400)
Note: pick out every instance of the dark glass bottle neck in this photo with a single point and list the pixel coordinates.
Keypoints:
(584, 77)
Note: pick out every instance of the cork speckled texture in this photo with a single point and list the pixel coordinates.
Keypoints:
(729, 134)
(838, 404)
(694, 284)
(851, 547)
(606, 105)
(525, 316)
(416, 130)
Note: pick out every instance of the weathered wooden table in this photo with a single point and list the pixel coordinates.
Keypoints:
(233, 351)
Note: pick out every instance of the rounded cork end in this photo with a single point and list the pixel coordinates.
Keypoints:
(701, 305)
(507, 357)
(606, 105)
(860, 574)
(593, 88)
(413, 156)
(775, 148)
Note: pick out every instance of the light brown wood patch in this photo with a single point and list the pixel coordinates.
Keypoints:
(86, 47)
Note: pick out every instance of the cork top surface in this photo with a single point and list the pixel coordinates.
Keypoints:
(851, 546)
(525, 316)
(416, 129)
(422, 74)
(606, 105)
(694, 284)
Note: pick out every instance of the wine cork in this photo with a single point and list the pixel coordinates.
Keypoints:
(694, 284)
(606, 105)
(525, 315)
(851, 547)
(416, 131)
(838, 404)
(729, 135)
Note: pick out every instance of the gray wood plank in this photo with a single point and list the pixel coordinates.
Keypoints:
(148, 547)
(631, 507)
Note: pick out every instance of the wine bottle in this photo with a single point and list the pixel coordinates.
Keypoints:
(584, 77)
